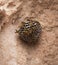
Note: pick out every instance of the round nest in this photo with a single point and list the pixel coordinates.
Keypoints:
(29, 31)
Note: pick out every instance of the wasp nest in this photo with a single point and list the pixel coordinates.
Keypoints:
(29, 31)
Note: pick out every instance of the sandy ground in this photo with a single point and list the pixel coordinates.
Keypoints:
(15, 52)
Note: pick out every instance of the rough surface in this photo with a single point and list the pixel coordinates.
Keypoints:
(12, 50)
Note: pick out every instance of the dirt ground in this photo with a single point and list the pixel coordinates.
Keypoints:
(15, 52)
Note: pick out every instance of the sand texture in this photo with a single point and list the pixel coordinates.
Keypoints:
(15, 52)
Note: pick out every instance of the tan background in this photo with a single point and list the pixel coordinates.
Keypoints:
(12, 50)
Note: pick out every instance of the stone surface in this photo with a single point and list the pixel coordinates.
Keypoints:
(15, 52)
